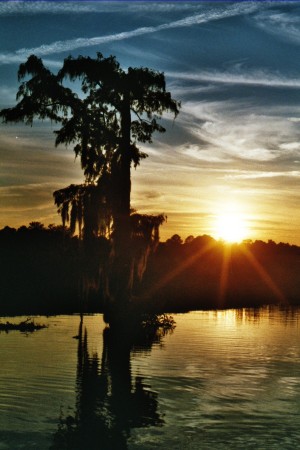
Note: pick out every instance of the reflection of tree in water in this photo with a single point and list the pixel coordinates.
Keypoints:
(109, 403)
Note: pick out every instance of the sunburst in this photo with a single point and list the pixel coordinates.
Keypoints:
(231, 226)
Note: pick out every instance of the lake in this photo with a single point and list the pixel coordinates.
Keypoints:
(221, 380)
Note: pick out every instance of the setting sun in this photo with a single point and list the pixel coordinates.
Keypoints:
(231, 227)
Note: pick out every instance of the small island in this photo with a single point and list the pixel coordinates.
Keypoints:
(25, 326)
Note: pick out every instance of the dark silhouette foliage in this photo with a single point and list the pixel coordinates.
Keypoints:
(39, 269)
(46, 270)
(203, 273)
(116, 110)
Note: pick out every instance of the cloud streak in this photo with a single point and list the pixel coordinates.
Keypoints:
(280, 24)
(9, 8)
(232, 131)
(251, 175)
(73, 44)
(254, 78)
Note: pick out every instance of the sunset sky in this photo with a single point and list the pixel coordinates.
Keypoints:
(234, 148)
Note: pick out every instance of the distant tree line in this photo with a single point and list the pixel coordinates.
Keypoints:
(39, 270)
(202, 273)
(42, 271)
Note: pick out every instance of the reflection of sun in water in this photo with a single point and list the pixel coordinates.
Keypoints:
(231, 226)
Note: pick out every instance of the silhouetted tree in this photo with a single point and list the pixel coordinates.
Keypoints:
(117, 109)
(189, 239)
(174, 240)
(38, 226)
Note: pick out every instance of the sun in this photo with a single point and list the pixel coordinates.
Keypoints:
(231, 227)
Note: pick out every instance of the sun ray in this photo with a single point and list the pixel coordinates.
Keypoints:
(178, 269)
(224, 274)
(263, 274)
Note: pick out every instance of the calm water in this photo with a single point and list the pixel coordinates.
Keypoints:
(221, 380)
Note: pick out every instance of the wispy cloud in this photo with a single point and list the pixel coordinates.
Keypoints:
(290, 146)
(208, 155)
(8, 8)
(73, 44)
(285, 25)
(248, 175)
(163, 7)
(247, 77)
(232, 131)
(26, 197)
(74, 7)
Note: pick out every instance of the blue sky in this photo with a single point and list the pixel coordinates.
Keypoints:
(235, 145)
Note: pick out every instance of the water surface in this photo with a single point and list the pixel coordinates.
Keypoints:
(221, 380)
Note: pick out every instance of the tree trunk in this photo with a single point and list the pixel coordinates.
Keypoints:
(121, 269)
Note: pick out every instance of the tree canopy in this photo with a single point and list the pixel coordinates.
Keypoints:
(104, 120)
(113, 111)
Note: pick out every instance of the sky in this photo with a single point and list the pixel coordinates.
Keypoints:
(233, 150)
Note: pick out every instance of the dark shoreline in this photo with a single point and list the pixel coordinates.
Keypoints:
(49, 313)
(42, 271)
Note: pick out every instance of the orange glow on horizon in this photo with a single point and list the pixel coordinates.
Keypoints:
(231, 227)
(230, 223)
